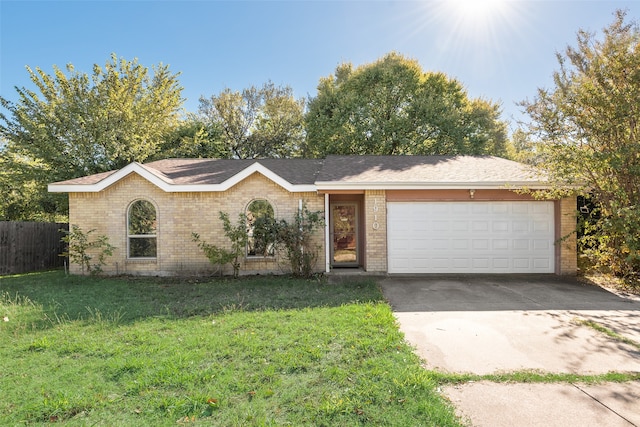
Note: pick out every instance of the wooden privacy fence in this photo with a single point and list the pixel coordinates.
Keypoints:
(30, 246)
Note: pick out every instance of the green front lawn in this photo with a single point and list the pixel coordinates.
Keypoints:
(253, 351)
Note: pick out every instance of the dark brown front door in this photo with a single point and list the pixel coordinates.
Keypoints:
(344, 234)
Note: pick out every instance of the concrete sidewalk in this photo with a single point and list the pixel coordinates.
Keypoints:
(494, 324)
(487, 342)
(544, 405)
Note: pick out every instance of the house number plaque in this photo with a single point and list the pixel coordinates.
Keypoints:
(375, 224)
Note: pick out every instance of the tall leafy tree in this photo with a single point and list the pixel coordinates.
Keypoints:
(257, 122)
(73, 124)
(521, 148)
(588, 132)
(193, 138)
(393, 107)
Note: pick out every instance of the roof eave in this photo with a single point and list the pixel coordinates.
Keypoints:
(327, 185)
(134, 167)
(169, 187)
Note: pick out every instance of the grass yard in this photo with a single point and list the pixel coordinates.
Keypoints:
(254, 351)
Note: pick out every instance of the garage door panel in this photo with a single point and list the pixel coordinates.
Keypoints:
(541, 226)
(418, 262)
(500, 244)
(481, 263)
(419, 245)
(459, 209)
(521, 244)
(480, 208)
(471, 237)
(478, 226)
(500, 226)
(541, 245)
(520, 209)
(402, 224)
(459, 225)
(438, 244)
(460, 263)
(499, 208)
(480, 244)
(399, 242)
(438, 209)
(440, 262)
(460, 244)
(501, 263)
(542, 208)
(519, 226)
(541, 263)
(439, 225)
(522, 263)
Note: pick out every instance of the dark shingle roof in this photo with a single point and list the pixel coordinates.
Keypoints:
(216, 171)
(88, 180)
(343, 170)
(424, 169)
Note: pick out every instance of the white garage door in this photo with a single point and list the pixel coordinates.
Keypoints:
(470, 237)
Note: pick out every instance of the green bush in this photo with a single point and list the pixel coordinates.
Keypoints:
(295, 239)
(80, 249)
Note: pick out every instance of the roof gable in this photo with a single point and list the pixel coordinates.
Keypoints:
(199, 175)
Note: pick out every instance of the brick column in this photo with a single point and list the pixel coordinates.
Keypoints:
(568, 244)
(375, 228)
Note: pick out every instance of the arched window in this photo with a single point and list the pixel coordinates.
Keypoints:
(141, 230)
(260, 225)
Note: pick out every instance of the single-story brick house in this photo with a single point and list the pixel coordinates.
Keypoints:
(383, 214)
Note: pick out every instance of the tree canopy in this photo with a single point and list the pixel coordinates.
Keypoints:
(193, 138)
(74, 124)
(257, 122)
(392, 107)
(587, 128)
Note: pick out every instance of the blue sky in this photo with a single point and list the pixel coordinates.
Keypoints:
(499, 50)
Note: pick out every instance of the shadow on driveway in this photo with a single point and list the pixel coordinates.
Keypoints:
(490, 324)
(497, 293)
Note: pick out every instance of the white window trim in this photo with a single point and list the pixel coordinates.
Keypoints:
(246, 249)
(140, 236)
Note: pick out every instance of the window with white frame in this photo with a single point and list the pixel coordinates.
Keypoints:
(260, 227)
(142, 230)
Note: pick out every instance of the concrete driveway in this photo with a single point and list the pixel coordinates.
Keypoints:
(491, 324)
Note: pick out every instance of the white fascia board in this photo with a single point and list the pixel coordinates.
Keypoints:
(267, 173)
(328, 186)
(110, 180)
(71, 188)
(180, 188)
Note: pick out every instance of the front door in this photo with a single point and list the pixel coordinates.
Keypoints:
(344, 234)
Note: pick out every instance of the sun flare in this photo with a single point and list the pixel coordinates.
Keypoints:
(478, 11)
(469, 28)
(477, 19)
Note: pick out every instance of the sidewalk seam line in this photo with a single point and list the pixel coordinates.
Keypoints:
(610, 409)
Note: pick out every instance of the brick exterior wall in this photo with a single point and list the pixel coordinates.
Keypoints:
(179, 215)
(568, 263)
(375, 208)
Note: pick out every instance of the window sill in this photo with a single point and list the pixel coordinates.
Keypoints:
(142, 260)
(256, 258)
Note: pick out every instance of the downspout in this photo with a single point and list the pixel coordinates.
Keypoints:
(327, 251)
